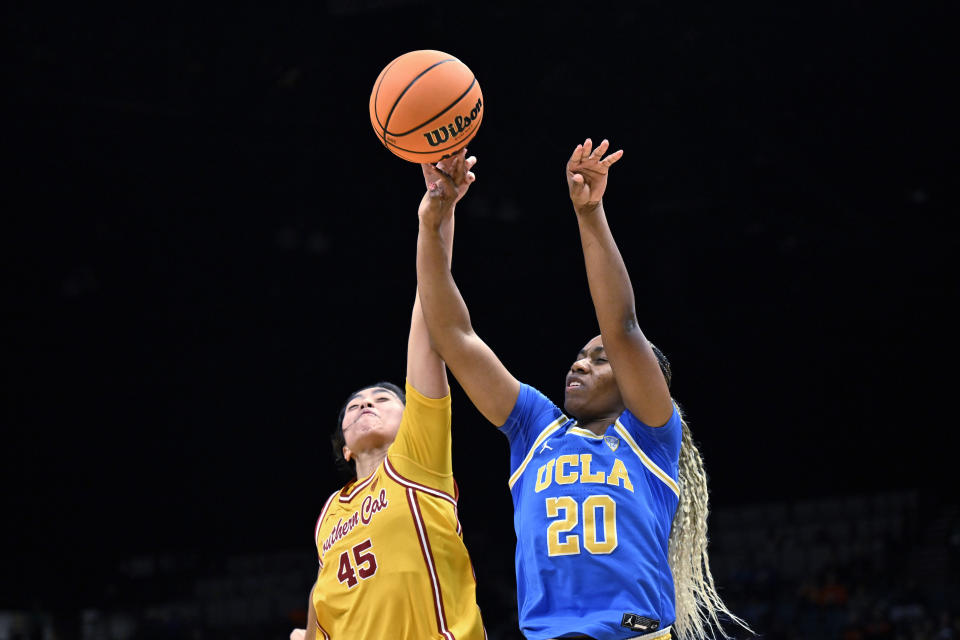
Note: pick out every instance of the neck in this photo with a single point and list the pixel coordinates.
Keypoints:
(598, 424)
(368, 461)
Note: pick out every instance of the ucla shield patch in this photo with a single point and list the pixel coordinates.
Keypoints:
(612, 441)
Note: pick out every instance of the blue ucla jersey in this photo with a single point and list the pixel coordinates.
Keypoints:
(592, 516)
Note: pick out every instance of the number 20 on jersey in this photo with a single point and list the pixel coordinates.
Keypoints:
(599, 525)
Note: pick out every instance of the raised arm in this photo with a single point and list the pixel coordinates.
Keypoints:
(637, 371)
(426, 371)
(487, 382)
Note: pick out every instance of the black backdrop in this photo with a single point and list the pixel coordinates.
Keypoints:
(207, 249)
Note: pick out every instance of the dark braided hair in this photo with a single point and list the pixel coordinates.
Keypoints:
(664, 363)
(349, 467)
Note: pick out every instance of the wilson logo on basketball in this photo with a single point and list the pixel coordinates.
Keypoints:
(455, 128)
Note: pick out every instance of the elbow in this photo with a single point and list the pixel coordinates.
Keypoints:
(448, 340)
(625, 330)
(438, 342)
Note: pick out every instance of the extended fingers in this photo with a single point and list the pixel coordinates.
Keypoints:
(600, 150)
(456, 165)
(445, 166)
(468, 163)
(586, 152)
(435, 178)
(576, 155)
(445, 172)
(613, 157)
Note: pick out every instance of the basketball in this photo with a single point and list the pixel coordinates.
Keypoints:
(426, 105)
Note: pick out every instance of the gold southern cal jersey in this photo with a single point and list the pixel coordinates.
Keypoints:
(392, 559)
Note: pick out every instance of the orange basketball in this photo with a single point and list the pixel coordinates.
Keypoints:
(426, 105)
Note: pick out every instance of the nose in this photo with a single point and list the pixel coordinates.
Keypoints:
(580, 366)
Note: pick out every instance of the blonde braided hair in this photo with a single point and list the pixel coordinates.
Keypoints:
(698, 604)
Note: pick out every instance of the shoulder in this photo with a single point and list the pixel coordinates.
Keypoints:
(667, 434)
(416, 398)
(423, 417)
(656, 448)
(422, 449)
(531, 402)
(532, 408)
(330, 501)
(324, 511)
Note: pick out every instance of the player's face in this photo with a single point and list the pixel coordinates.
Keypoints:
(591, 390)
(371, 419)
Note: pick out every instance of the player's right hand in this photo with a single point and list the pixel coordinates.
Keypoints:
(448, 180)
(298, 634)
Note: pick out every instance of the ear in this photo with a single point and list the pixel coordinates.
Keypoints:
(347, 453)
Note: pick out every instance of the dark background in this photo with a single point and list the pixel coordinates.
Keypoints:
(206, 249)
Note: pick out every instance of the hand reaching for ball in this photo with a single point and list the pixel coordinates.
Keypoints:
(587, 174)
(447, 182)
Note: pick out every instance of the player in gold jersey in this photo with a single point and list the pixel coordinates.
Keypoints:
(392, 559)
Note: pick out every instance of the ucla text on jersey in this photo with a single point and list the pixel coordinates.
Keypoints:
(592, 514)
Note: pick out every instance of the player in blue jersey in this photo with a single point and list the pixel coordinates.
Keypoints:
(603, 549)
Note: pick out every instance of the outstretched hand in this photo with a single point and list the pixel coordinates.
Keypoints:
(587, 173)
(447, 182)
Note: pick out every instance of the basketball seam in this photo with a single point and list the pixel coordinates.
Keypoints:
(407, 88)
(451, 105)
(376, 90)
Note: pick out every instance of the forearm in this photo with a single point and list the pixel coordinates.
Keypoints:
(417, 324)
(607, 276)
(491, 388)
(443, 307)
(426, 372)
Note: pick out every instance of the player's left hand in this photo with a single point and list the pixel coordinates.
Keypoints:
(447, 181)
(298, 634)
(587, 173)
